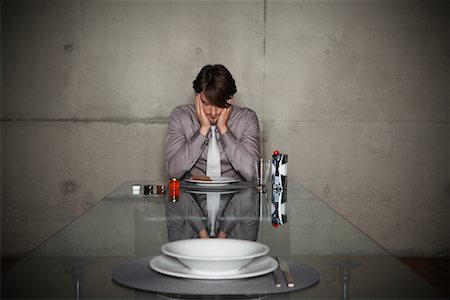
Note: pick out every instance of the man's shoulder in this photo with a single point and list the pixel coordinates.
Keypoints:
(241, 111)
(183, 109)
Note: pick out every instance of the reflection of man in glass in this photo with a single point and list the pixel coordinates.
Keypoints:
(237, 216)
(236, 128)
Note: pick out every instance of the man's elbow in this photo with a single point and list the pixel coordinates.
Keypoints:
(170, 171)
(248, 176)
(173, 172)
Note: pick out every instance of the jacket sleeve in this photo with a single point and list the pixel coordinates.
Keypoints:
(241, 217)
(182, 151)
(243, 152)
(184, 218)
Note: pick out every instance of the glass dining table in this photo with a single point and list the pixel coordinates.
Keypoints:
(78, 261)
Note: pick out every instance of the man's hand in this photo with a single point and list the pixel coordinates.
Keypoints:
(203, 234)
(222, 235)
(222, 121)
(205, 124)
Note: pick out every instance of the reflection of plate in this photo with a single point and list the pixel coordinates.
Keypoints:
(215, 181)
(204, 192)
(171, 266)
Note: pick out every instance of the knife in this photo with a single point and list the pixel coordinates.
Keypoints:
(276, 278)
(287, 273)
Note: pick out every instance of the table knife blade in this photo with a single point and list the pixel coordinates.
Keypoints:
(287, 273)
(276, 277)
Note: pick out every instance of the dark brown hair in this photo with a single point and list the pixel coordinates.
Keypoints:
(217, 83)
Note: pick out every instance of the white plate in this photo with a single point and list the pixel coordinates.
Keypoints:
(215, 181)
(214, 255)
(171, 266)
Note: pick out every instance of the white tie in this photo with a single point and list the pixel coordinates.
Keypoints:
(212, 205)
(213, 160)
(213, 170)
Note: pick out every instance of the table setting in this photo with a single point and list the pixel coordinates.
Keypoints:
(215, 267)
(235, 265)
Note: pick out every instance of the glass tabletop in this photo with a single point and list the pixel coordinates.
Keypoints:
(78, 260)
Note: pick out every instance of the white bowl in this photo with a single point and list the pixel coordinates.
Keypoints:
(214, 256)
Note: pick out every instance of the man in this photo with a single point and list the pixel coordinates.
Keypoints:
(213, 120)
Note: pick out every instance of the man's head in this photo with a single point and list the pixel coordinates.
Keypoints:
(216, 85)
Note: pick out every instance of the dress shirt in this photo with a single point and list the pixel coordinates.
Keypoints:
(187, 148)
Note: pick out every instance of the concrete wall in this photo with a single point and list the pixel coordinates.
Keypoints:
(356, 92)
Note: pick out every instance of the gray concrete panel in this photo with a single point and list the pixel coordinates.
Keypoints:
(54, 171)
(356, 61)
(40, 61)
(389, 179)
(141, 59)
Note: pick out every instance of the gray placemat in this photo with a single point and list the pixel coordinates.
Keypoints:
(137, 274)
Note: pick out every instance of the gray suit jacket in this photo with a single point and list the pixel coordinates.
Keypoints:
(187, 149)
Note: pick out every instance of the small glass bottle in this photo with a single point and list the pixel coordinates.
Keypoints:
(174, 189)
